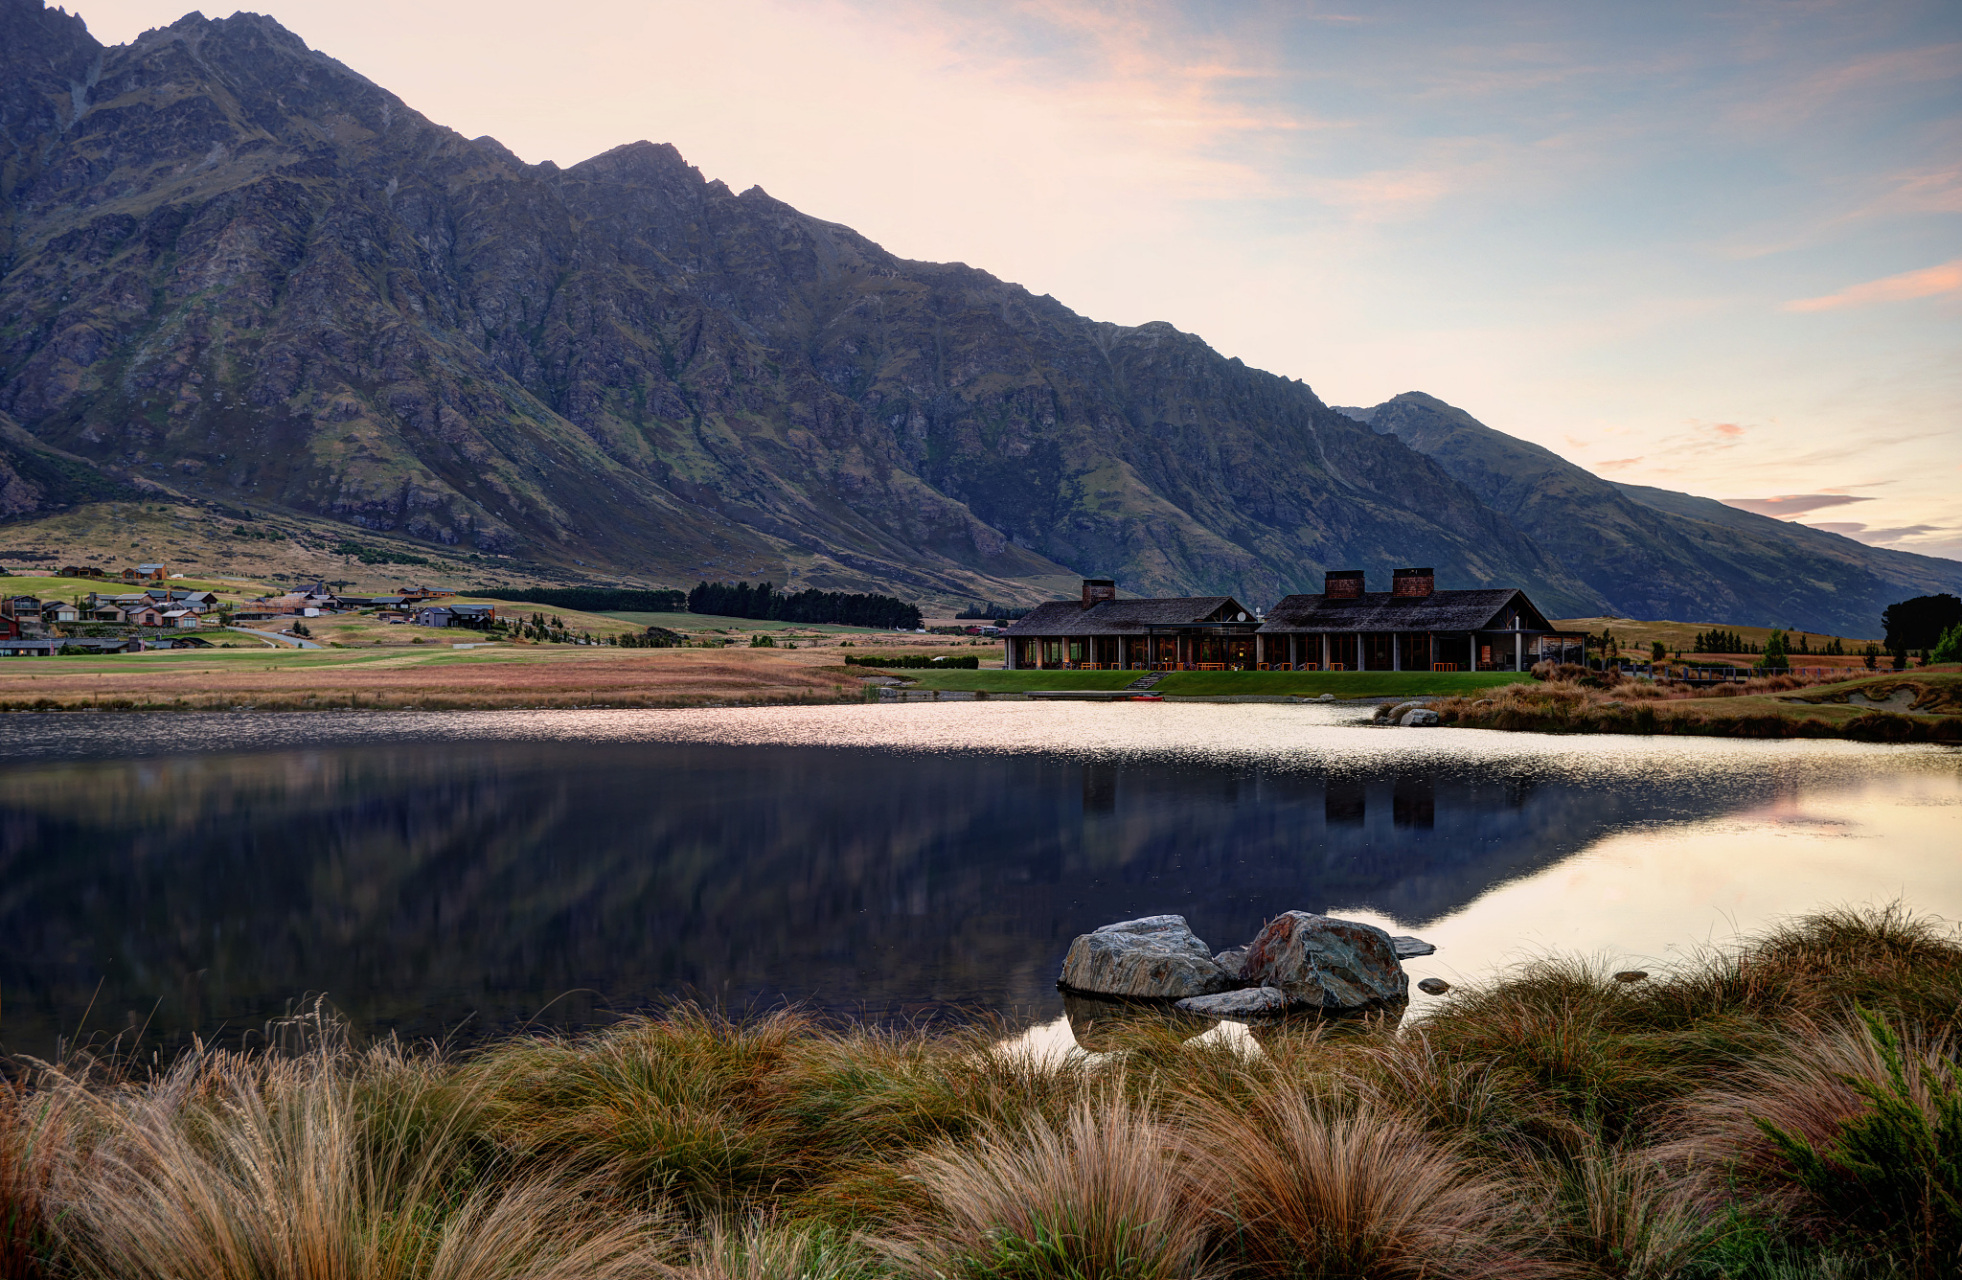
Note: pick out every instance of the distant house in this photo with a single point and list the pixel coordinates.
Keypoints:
(9, 627)
(434, 616)
(78, 571)
(107, 613)
(182, 619)
(59, 611)
(20, 607)
(145, 616)
(473, 614)
(154, 571)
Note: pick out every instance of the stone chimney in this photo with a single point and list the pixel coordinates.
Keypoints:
(1343, 584)
(1098, 589)
(1413, 583)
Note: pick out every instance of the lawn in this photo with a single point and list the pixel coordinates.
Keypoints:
(1308, 684)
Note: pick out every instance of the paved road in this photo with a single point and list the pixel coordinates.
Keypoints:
(277, 638)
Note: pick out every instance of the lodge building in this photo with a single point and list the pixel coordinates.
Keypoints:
(1411, 627)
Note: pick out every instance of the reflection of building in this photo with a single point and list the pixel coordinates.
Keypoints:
(1100, 631)
(1411, 627)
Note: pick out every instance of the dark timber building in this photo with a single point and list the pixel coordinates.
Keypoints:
(1102, 632)
(1411, 627)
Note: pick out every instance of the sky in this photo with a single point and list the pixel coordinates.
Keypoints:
(1713, 247)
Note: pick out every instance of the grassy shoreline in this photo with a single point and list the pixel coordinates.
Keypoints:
(1916, 706)
(1555, 1122)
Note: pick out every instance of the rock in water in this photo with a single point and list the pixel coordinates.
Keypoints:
(1420, 718)
(1407, 946)
(1434, 986)
(1322, 962)
(1253, 1002)
(1156, 958)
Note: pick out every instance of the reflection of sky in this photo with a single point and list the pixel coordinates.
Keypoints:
(1652, 897)
(1713, 248)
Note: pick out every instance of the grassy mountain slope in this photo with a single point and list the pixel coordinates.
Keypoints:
(238, 269)
(1656, 554)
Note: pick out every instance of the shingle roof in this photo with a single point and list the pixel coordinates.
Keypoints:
(1123, 617)
(1474, 610)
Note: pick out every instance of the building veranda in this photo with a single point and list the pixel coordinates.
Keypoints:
(1411, 627)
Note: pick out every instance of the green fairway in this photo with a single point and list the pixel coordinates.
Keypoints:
(715, 622)
(1310, 684)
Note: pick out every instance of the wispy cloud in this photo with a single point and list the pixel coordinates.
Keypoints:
(1929, 282)
(1786, 506)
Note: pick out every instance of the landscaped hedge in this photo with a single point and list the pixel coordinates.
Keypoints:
(834, 607)
(969, 663)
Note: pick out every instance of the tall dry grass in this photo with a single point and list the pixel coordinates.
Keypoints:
(1300, 1187)
(1550, 1122)
(1104, 1195)
(321, 1167)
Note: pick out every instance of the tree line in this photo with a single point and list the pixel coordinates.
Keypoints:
(838, 608)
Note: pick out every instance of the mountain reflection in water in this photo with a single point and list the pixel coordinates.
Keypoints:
(434, 884)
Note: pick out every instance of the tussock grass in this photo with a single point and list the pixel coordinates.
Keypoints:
(1748, 708)
(1104, 1195)
(1791, 1106)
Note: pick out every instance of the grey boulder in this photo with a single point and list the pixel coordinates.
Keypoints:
(1155, 958)
(1326, 963)
(1252, 1002)
(1419, 718)
(1408, 947)
(1233, 960)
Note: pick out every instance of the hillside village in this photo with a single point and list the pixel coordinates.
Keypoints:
(158, 613)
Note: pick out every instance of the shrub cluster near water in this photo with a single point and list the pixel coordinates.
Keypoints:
(1788, 1110)
(913, 661)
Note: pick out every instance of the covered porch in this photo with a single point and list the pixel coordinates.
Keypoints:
(1507, 650)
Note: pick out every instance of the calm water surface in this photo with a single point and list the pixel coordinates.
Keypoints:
(454, 874)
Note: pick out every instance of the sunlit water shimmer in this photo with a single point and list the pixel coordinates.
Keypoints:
(461, 873)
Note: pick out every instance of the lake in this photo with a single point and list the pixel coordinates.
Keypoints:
(459, 874)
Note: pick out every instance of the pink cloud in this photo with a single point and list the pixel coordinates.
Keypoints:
(1786, 506)
(1928, 282)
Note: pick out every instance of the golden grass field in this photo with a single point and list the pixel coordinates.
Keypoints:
(1636, 636)
(430, 677)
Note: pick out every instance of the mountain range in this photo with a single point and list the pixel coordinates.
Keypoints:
(235, 271)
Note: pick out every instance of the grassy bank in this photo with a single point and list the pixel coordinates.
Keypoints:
(1309, 684)
(1918, 706)
(1775, 1111)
